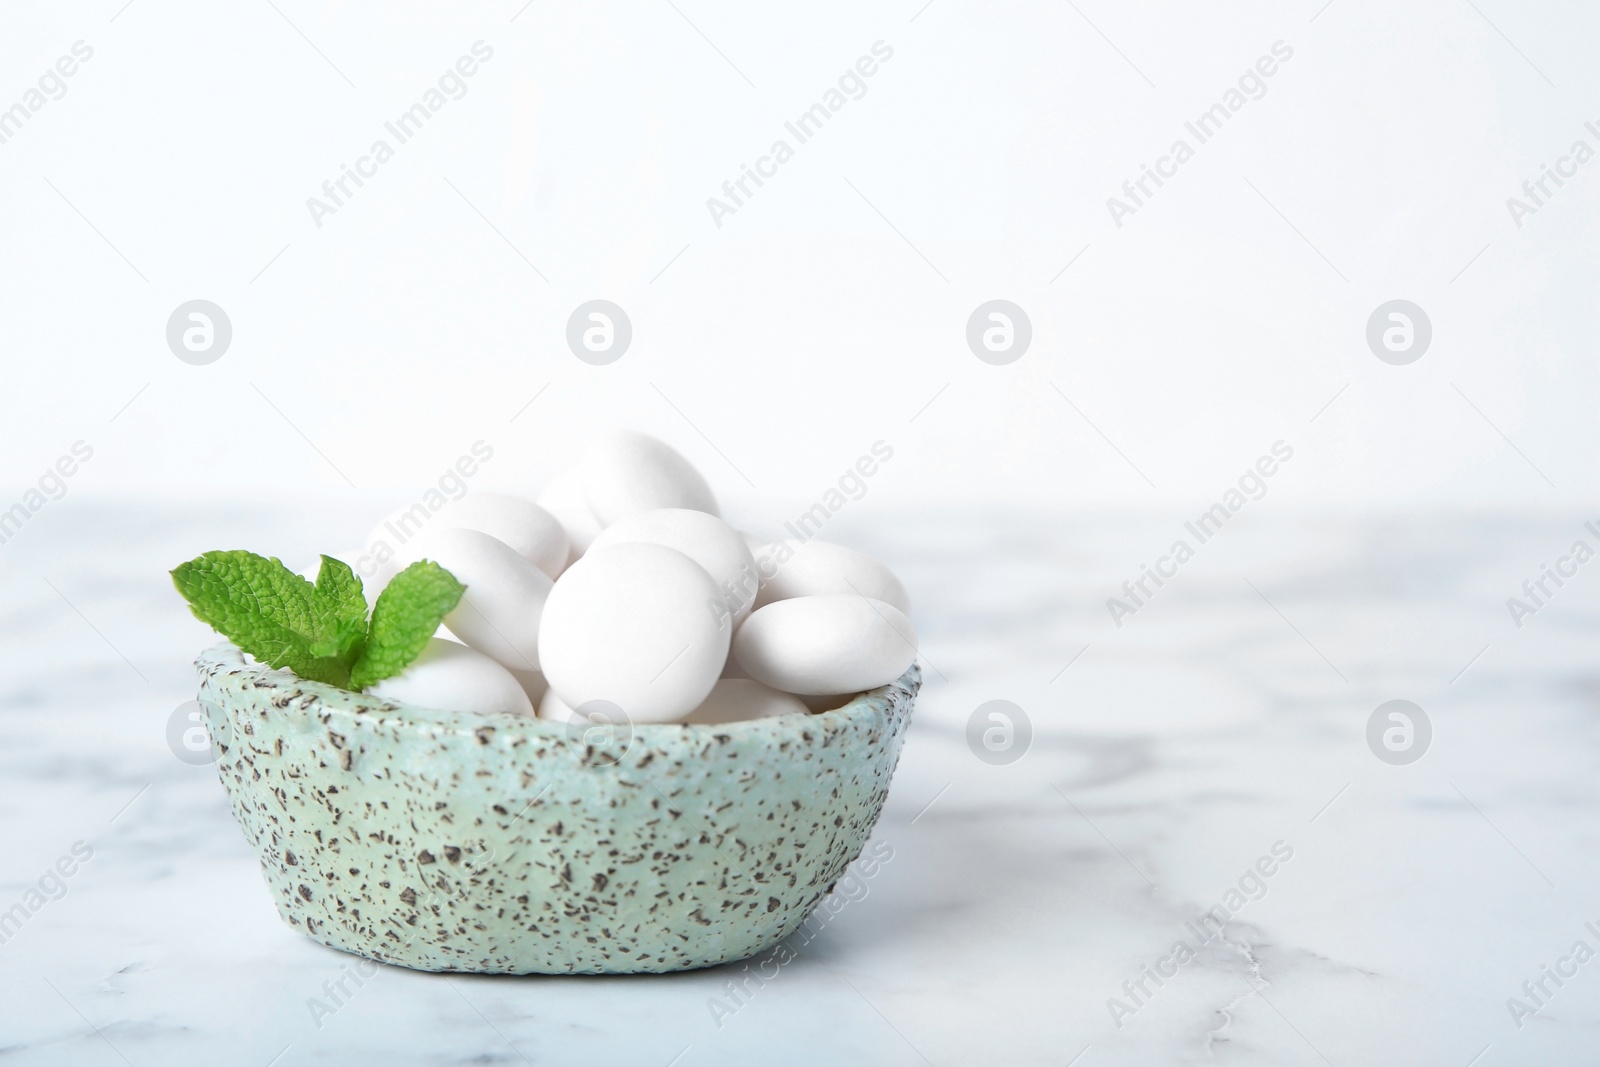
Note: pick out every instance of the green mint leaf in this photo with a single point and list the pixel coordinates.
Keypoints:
(266, 609)
(341, 609)
(276, 615)
(407, 613)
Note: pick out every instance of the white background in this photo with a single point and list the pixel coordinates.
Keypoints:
(804, 328)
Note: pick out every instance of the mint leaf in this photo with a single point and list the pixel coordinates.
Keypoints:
(264, 608)
(320, 631)
(407, 613)
(341, 612)
(278, 617)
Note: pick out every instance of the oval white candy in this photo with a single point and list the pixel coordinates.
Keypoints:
(535, 534)
(818, 645)
(452, 677)
(825, 703)
(630, 624)
(730, 700)
(499, 613)
(554, 709)
(792, 569)
(565, 499)
(532, 683)
(600, 713)
(738, 699)
(704, 538)
(626, 473)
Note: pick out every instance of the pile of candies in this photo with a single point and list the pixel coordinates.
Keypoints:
(621, 588)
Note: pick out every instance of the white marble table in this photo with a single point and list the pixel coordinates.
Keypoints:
(1225, 719)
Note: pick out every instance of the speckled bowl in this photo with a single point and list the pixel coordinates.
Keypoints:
(499, 844)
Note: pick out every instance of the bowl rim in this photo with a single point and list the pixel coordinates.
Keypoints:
(225, 660)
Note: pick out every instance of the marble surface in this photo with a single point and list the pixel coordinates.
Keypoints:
(1225, 719)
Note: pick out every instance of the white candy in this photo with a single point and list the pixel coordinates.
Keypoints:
(532, 683)
(626, 473)
(813, 568)
(535, 534)
(630, 624)
(554, 709)
(658, 608)
(564, 498)
(499, 613)
(451, 677)
(730, 700)
(600, 713)
(825, 703)
(706, 539)
(737, 699)
(818, 645)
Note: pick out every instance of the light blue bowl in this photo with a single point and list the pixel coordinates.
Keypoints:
(502, 844)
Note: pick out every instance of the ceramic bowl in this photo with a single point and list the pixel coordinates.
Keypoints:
(502, 844)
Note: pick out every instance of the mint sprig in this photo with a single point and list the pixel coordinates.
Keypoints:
(406, 615)
(320, 631)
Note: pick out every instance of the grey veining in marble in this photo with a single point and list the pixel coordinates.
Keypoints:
(1011, 908)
